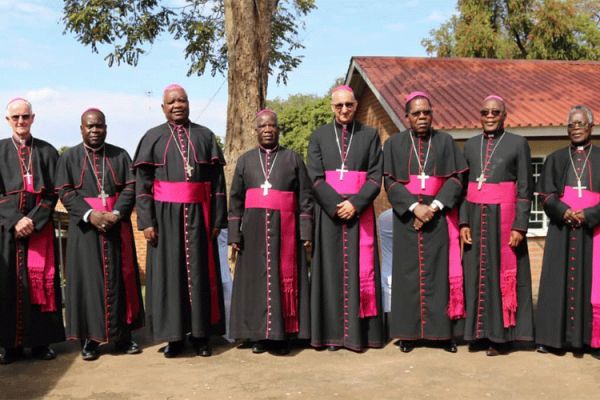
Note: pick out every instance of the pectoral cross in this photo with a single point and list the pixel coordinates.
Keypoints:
(188, 170)
(579, 188)
(342, 170)
(422, 177)
(28, 177)
(103, 196)
(480, 181)
(265, 187)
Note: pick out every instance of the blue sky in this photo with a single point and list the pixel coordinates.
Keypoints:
(61, 77)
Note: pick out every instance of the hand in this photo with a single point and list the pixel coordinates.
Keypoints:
(465, 235)
(571, 218)
(151, 236)
(345, 210)
(100, 221)
(580, 217)
(516, 238)
(215, 232)
(417, 224)
(24, 227)
(235, 249)
(307, 246)
(423, 212)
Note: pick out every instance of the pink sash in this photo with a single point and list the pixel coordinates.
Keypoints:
(456, 301)
(132, 300)
(351, 184)
(195, 193)
(504, 194)
(589, 199)
(285, 203)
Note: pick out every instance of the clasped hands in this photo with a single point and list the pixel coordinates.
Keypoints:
(574, 218)
(24, 227)
(103, 221)
(423, 214)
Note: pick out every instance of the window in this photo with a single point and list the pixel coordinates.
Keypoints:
(538, 221)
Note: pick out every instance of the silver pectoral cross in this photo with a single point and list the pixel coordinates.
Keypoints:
(422, 177)
(480, 181)
(342, 170)
(28, 177)
(265, 187)
(103, 196)
(579, 188)
(188, 170)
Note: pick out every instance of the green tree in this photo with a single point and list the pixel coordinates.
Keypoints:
(247, 39)
(527, 29)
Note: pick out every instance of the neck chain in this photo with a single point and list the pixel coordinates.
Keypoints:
(27, 168)
(99, 183)
(343, 157)
(579, 176)
(188, 168)
(483, 165)
(267, 173)
(421, 167)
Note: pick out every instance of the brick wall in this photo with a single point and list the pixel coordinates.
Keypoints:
(140, 246)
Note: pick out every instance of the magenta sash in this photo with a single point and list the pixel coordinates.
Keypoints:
(132, 300)
(352, 183)
(589, 199)
(456, 301)
(504, 194)
(195, 193)
(285, 203)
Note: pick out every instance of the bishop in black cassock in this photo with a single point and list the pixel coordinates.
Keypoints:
(345, 166)
(30, 296)
(270, 226)
(181, 206)
(568, 310)
(103, 296)
(423, 171)
(494, 217)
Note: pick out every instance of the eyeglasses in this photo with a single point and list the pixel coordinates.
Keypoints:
(426, 113)
(577, 124)
(15, 118)
(494, 112)
(349, 106)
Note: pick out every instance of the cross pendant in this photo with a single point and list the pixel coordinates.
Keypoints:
(103, 196)
(480, 181)
(342, 170)
(579, 188)
(28, 177)
(188, 170)
(265, 187)
(422, 177)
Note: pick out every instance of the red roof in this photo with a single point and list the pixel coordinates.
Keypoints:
(537, 93)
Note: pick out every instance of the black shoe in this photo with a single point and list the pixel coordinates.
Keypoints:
(89, 351)
(478, 345)
(173, 349)
(406, 346)
(595, 353)
(540, 348)
(496, 349)
(201, 346)
(281, 348)
(43, 353)
(450, 347)
(333, 348)
(246, 344)
(10, 355)
(259, 347)
(128, 347)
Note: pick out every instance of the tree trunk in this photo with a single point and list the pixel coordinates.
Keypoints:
(248, 35)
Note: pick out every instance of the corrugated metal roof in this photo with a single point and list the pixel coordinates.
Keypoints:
(537, 93)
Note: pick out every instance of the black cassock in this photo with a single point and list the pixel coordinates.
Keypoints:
(97, 294)
(510, 161)
(23, 323)
(335, 277)
(184, 293)
(258, 295)
(564, 310)
(420, 278)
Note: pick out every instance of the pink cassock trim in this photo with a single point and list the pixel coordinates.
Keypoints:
(132, 301)
(456, 301)
(589, 199)
(505, 195)
(285, 203)
(352, 184)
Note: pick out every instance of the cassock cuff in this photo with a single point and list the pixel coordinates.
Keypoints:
(86, 216)
(413, 206)
(438, 203)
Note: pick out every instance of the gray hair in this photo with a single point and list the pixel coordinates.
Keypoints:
(17, 99)
(584, 109)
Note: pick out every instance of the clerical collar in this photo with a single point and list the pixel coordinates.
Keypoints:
(580, 148)
(493, 134)
(265, 150)
(424, 136)
(335, 121)
(182, 125)
(94, 149)
(20, 142)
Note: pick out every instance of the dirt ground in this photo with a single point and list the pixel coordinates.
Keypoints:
(305, 374)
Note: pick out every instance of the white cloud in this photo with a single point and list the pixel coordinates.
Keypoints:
(128, 116)
(33, 10)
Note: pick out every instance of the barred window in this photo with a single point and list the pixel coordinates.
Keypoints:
(537, 219)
